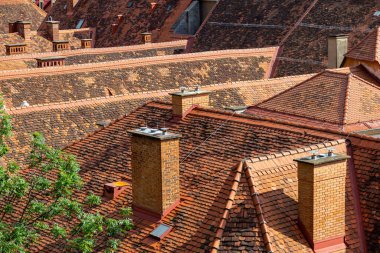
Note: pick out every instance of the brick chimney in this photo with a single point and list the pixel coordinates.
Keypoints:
(86, 43)
(53, 30)
(321, 200)
(337, 48)
(185, 100)
(146, 37)
(22, 28)
(155, 171)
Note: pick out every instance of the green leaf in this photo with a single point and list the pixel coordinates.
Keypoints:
(93, 200)
(58, 231)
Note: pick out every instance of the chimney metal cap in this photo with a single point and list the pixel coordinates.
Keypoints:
(161, 134)
(320, 159)
(343, 35)
(189, 93)
(237, 109)
(24, 104)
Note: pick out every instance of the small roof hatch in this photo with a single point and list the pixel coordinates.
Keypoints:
(161, 231)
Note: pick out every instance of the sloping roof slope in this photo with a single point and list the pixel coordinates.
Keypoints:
(367, 164)
(14, 10)
(91, 55)
(368, 49)
(338, 97)
(205, 175)
(303, 34)
(39, 86)
(62, 123)
(138, 17)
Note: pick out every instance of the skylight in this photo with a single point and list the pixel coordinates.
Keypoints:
(377, 14)
(80, 23)
(161, 231)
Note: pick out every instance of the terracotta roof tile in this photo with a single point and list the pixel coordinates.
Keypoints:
(206, 176)
(92, 55)
(276, 181)
(138, 17)
(14, 10)
(335, 98)
(82, 81)
(368, 49)
(246, 24)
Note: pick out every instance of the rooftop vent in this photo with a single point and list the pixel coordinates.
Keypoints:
(103, 123)
(161, 231)
(24, 104)
(113, 190)
(236, 109)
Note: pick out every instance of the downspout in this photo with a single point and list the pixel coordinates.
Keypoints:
(356, 198)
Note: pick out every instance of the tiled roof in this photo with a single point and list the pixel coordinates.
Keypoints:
(339, 98)
(206, 175)
(14, 10)
(246, 24)
(39, 86)
(37, 43)
(91, 55)
(219, 192)
(62, 123)
(276, 184)
(367, 164)
(368, 49)
(138, 17)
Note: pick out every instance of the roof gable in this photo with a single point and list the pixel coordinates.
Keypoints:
(368, 49)
(335, 97)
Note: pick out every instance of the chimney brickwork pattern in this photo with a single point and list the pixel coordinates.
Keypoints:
(183, 102)
(321, 199)
(155, 173)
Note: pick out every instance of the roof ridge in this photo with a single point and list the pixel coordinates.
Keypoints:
(377, 46)
(103, 128)
(127, 63)
(259, 210)
(69, 53)
(346, 98)
(325, 144)
(223, 221)
(285, 91)
(364, 40)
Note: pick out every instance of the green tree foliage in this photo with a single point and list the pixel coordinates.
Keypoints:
(39, 202)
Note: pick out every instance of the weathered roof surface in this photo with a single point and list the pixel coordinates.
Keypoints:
(245, 24)
(37, 44)
(339, 98)
(138, 17)
(215, 197)
(62, 123)
(91, 55)
(275, 182)
(39, 86)
(205, 175)
(366, 155)
(15, 10)
(368, 49)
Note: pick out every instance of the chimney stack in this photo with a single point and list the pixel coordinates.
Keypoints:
(146, 37)
(185, 100)
(321, 200)
(337, 48)
(22, 28)
(155, 171)
(53, 30)
(86, 43)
